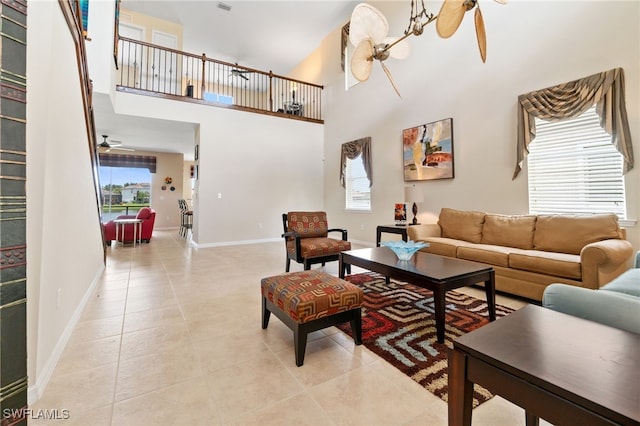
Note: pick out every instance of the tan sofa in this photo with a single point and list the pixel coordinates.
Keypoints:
(530, 252)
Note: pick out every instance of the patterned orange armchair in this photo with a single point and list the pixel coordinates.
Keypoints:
(307, 241)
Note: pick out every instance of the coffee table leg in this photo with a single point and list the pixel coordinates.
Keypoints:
(490, 289)
(439, 302)
(460, 390)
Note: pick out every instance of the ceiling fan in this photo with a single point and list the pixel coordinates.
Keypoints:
(368, 32)
(240, 73)
(108, 146)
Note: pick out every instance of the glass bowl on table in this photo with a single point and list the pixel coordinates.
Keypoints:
(404, 249)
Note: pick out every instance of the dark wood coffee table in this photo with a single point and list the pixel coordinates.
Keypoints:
(564, 369)
(436, 273)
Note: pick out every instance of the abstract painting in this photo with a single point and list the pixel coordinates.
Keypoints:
(427, 151)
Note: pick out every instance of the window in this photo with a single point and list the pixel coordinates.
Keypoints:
(574, 168)
(358, 192)
(125, 190)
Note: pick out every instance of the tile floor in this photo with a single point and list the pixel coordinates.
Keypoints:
(172, 336)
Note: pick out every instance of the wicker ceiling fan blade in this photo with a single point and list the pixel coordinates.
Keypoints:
(367, 22)
(450, 17)
(388, 73)
(362, 60)
(481, 35)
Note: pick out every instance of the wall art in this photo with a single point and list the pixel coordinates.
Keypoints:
(427, 151)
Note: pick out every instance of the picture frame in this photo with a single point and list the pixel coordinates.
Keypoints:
(400, 213)
(427, 151)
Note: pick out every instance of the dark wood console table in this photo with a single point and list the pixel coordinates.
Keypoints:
(391, 229)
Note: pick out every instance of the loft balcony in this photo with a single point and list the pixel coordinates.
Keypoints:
(153, 70)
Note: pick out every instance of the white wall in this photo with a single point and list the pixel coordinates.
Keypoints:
(262, 166)
(64, 242)
(531, 45)
(100, 29)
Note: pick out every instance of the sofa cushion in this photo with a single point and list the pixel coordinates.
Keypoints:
(144, 213)
(308, 224)
(558, 264)
(444, 246)
(493, 255)
(510, 231)
(461, 225)
(569, 234)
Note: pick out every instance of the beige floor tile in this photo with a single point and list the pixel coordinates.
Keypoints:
(362, 397)
(135, 321)
(324, 360)
(187, 323)
(88, 354)
(299, 410)
(246, 387)
(80, 391)
(149, 302)
(230, 350)
(96, 329)
(185, 403)
(140, 375)
(149, 341)
(97, 309)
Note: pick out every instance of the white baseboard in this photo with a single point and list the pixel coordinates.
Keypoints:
(235, 243)
(35, 391)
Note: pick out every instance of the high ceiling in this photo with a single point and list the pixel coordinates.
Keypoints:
(267, 35)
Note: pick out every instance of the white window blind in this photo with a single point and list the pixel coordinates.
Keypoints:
(574, 169)
(358, 193)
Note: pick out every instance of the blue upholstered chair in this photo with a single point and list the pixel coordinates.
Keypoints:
(617, 304)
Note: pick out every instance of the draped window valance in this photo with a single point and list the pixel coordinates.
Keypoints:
(605, 90)
(134, 161)
(351, 150)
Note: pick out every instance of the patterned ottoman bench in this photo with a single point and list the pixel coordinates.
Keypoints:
(309, 301)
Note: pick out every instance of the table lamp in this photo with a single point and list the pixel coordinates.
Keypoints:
(413, 193)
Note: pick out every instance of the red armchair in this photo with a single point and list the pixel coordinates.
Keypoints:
(148, 217)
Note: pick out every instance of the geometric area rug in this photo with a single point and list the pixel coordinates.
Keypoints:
(398, 324)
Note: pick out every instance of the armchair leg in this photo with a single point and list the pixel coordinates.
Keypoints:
(288, 265)
(307, 265)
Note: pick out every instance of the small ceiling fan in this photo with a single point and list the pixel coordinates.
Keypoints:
(240, 73)
(108, 146)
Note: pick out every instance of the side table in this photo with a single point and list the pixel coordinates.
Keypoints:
(137, 229)
(563, 369)
(391, 229)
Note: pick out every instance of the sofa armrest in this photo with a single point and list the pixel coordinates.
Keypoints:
(606, 307)
(604, 260)
(422, 232)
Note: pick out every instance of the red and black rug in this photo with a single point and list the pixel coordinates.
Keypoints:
(398, 324)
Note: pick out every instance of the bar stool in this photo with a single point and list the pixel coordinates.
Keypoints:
(186, 222)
